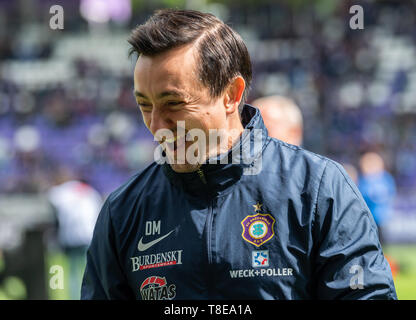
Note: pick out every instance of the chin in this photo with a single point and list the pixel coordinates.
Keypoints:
(183, 168)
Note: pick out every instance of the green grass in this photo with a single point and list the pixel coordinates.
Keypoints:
(405, 280)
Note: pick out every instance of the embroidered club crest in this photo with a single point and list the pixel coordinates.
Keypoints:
(258, 228)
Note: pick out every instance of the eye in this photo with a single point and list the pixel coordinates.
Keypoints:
(145, 107)
(174, 103)
(142, 104)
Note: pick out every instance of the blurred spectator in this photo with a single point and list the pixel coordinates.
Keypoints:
(352, 172)
(77, 206)
(282, 117)
(378, 189)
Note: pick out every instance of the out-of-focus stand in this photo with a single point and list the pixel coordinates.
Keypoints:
(24, 221)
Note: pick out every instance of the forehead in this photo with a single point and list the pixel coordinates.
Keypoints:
(175, 68)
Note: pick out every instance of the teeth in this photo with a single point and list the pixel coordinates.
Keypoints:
(174, 139)
(171, 140)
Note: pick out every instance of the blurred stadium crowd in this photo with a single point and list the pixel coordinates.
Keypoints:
(66, 103)
(67, 109)
(66, 98)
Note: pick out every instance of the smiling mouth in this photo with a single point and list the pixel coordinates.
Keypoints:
(174, 143)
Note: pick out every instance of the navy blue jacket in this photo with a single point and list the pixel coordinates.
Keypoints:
(297, 229)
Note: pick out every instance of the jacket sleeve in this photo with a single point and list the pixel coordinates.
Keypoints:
(348, 260)
(104, 278)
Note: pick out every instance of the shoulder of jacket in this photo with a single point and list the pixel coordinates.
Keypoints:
(135, 184)
(319, 168)
(296, 152)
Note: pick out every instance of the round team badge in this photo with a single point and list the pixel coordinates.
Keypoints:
(258, 228)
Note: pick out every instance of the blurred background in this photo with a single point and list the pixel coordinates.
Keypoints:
(70, 130)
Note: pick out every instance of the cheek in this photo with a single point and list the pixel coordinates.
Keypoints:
(146, 119)
(203, 121)
(213, 118)
(203, 117)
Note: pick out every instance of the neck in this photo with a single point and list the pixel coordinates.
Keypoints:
(229, 137)
(234, 134)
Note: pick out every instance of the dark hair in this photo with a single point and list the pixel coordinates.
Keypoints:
(222, 54)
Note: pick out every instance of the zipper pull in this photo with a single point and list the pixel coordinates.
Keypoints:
(201, 175)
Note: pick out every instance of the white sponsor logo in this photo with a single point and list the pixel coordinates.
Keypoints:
(144, 246)
(270, 272)
(152, 228)
(156, 260)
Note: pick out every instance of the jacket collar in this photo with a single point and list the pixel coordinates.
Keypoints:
(212, 179)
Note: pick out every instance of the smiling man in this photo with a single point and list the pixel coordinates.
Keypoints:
(297, 228)
(169, 92)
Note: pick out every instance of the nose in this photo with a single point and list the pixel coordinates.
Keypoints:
(159, 120)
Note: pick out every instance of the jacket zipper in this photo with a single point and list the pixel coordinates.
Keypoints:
(210, 217)
(201, 175)
(210, 236)
(211, 272)
(210, 231)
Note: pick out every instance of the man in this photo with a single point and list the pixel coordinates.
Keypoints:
(378, 189)
(282, 117)
(296, 228)
(76, 205)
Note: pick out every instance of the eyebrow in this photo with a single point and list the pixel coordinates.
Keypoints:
(164, 94)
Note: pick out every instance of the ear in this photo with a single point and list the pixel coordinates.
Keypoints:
(233, 94)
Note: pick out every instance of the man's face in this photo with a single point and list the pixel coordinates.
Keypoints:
(167, 90)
